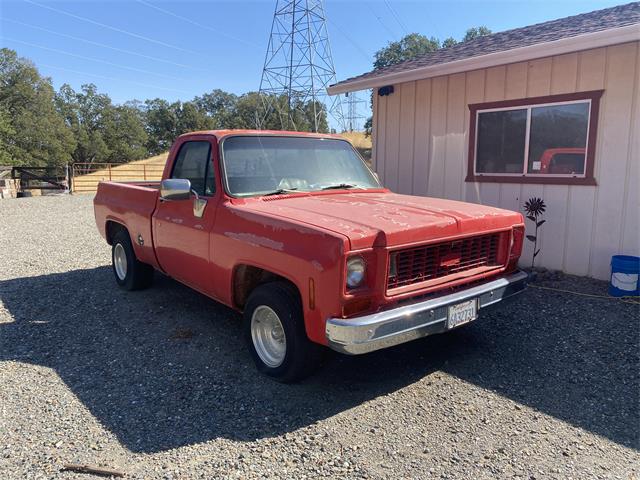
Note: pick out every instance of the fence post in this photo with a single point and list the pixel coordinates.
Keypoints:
(109, 172)
(67, 176)
(144, 171)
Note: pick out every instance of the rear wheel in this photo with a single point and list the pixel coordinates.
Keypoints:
(130, 273)
(275, 334)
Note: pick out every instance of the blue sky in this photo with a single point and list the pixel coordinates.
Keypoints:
(130, 49)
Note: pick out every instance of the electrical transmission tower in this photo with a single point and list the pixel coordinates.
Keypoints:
(354, 108)
(298, 68)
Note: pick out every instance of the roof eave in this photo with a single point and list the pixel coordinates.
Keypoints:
(612, 36)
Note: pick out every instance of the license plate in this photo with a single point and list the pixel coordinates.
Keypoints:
(462, 313)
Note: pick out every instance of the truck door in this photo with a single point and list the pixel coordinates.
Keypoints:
(181, 236)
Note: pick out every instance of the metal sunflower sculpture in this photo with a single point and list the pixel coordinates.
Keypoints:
(534, 208)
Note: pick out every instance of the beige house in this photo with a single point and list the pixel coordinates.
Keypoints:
(551, 111)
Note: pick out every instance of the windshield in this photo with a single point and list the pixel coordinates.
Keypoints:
(278, 164)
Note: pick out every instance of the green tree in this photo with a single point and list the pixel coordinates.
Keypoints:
(415, 45)
(6, 135)
(161, 123)
(125, 135)
(449, 42)
(219, 106)
(164, 121)
(31, 130)
(476, 32)
(310, 113)
(191, 118)
(86, 114)
(103, 132)
(410, 46)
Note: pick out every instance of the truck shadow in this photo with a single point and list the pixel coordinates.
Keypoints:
(166, 367)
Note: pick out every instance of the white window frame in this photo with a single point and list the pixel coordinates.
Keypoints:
(525, 159)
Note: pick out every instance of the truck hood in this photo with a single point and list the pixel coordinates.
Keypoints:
(384, 219)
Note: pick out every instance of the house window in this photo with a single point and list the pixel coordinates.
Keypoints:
(536, 140)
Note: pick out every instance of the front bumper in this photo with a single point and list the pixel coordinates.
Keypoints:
(403, 324)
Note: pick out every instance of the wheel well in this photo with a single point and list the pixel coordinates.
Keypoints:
(112, 228)
(247, 277)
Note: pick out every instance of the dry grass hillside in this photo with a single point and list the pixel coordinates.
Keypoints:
(361, 142)
(358, 139)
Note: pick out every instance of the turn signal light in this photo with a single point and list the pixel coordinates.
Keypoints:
(517, 237)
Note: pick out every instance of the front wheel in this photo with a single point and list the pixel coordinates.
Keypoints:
(275, 334)
(130, 273)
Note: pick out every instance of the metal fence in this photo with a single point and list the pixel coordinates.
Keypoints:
(86, 176)
(41, 178)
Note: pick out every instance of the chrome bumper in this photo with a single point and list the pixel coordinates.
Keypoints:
(399, 325)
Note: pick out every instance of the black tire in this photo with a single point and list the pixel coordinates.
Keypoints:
(137, 275)
(302, 357)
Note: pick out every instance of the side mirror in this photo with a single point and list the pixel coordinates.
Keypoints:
(175, 189)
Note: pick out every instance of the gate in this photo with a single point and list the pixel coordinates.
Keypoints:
(41, 178)
(86, 176)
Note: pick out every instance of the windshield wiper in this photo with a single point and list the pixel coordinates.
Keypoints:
(341, 186)
(279, 191)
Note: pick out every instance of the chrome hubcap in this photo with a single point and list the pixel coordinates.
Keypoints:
(268, 336)
(120, 261)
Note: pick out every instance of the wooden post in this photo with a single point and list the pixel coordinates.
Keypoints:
(109, 172)
(67, 175)
(144, 171)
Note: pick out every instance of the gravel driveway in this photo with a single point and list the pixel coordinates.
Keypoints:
(158, 383)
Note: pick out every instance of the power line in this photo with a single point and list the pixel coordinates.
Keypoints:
(91, 42)
(393, 35)
(115, 29)
(80, 72)
(350, 40)
(193, 22)
(397, 17)
(71, 54)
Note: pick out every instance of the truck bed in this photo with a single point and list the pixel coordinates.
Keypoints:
(130, 204)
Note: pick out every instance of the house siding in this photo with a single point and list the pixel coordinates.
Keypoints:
(421, 139)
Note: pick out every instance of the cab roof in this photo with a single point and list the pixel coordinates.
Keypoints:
(220, 134)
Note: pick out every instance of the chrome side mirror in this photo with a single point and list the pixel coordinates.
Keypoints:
(175, 189)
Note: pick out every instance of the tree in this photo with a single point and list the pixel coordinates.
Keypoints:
(161, 123)
(103, 132)
(218, 105)
(415, 45)
(410, 46)
(476, 32)
(249, 108)
(125, 135)
(164, 121)
(31, 130)
(6, 134)
(86, 114)
(449, 42)
(191, 118)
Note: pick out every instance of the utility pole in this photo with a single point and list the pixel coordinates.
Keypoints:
(298, 68)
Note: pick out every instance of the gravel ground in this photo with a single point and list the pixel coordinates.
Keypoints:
(158, 383)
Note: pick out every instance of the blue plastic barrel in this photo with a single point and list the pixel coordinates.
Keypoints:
(625, 270)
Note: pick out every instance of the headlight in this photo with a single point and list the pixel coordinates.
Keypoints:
(355, 272)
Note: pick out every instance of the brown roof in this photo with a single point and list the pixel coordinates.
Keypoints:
(614, 17)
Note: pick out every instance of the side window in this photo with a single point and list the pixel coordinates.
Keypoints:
(194, 163)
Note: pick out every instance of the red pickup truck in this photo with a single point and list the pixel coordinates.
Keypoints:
(295, 231)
